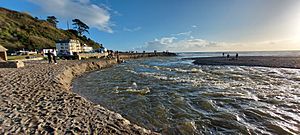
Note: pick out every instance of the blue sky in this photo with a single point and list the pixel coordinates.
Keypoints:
(178, 25)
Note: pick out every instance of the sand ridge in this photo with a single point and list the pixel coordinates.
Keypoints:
(262, 61)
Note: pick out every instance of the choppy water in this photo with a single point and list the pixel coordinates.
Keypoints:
(173, 96)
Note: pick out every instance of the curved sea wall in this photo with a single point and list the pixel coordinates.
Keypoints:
(37, 99)
(66, 77)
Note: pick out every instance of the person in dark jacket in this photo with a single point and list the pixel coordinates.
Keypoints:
(49, 57)
(54, 56)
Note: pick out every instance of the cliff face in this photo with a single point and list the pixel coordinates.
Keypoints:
(21, 30)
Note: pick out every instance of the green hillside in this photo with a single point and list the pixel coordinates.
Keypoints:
(21, 30)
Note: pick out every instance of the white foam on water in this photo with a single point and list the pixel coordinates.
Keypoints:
(131, 71)
(180, 70)
(134, 85)
(156, 67)
(196, 70)
(142, 91)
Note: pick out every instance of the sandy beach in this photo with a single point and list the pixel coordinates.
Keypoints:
(262, 61)
(37, 99)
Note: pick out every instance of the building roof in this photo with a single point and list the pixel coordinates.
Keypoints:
(2, 49)
(63, 41)
(66, 41)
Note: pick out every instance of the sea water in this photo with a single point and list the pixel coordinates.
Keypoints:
(171, 95)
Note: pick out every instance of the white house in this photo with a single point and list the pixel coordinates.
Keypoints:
(101, 50)
(86, 48)
(68, 46)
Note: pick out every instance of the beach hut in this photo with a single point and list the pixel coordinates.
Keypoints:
(3, 55)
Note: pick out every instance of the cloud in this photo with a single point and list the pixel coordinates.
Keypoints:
(188, 33)
(194, 26)
(97, 16)
(157, 44)
(166, 40)
(171, 43)
(197, 44)
(132, 29)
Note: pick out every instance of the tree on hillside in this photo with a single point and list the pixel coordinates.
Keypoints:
(52, 20)
(80, 26)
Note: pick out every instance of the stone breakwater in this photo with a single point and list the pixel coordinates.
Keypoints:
(139, 55)
(37, 99)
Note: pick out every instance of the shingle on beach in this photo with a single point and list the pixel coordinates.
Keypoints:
(36, 100)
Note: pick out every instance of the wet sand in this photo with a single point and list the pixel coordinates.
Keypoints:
(262, 61)
(37, 99)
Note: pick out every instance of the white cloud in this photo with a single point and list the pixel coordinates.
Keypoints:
(188, 33)
(194, 26)
(196, 44)
(166, 40)
(132, 29)
(163, 43)
(91, 14)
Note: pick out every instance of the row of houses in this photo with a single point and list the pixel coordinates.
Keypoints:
(63, 47)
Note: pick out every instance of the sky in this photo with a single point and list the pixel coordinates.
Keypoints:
(178, 25)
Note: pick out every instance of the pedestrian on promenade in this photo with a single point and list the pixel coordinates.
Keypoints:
(228, 56)
(54, 56)
(236, 56)
(49, 56)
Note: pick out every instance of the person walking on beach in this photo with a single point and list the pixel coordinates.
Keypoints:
(54, 56)
(49, 57)
(223, 54)
(228, 56)
(236, 56)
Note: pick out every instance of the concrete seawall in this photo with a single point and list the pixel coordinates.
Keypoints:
(66, 77)
(37, 99)
(11, 64)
